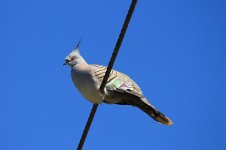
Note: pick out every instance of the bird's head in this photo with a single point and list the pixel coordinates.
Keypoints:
(74, 57)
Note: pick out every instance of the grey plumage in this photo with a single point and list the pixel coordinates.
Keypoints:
(120, 89)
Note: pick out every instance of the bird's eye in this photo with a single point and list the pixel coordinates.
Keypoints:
(73, 58)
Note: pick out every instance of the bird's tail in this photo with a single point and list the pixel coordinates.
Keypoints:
(144, 105)
(152, 112)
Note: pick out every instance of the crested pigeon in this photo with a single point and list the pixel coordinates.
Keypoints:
(120, 89)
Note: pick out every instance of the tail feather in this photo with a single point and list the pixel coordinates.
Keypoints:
(158, 116)
(154, 113)
(144, 105)
(150, 110)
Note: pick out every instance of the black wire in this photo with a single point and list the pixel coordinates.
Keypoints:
(107, 73)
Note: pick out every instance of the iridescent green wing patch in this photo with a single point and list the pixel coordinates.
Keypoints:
(120, 84)
(117, 83)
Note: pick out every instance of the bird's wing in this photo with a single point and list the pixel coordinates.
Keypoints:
(117, 81)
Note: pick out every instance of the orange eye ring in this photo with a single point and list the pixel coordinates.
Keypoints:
(73, 58)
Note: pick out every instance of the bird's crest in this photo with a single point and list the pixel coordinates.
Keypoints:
(77, 47)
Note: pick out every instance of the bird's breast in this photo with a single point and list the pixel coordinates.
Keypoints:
(87, 86)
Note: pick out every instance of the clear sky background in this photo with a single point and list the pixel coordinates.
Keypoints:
(175, 50)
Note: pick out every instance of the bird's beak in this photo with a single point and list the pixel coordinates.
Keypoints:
(66, 62)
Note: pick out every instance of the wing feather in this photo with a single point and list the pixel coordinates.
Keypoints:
(117, 81)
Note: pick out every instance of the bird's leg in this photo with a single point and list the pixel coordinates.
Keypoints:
(103, 97)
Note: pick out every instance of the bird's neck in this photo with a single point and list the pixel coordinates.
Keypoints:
(79, 62)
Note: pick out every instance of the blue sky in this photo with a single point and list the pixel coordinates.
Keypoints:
(175, 50)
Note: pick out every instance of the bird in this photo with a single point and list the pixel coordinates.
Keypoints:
(120, 88)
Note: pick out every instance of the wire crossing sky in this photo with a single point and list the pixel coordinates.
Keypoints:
(174, 50)
(108, 71)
